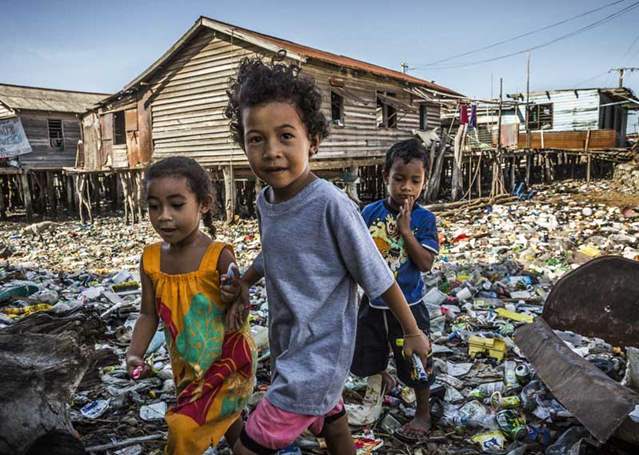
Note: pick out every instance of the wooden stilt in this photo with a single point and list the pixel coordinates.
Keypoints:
(469, 168)
(138, 194)
(88, 199)
(125, 194)
(113, 191)
(351, 187)
(70, 196)
(479, 166)
(588, 170)
(26, 195)
(3, 207)
(512, 173)
(84, 199)
(76, 195)
(95, 191)
(229, 193)
(528, 167)
(51, 196)
(78, 191)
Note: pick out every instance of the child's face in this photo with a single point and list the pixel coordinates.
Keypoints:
(405, 180)
(278, 148)
(174, 209)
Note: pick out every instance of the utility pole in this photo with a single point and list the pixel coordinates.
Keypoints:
(621, 71)
(527, 101)
(491, 86)
(501, 99)
(405, 67)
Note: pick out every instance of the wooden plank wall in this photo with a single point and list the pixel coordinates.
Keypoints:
(37, 130)
(91, 140)
(570, 140)
(189, 97)
(360, 136)
(188, 110)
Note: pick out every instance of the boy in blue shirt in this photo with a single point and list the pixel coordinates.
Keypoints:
(406, 236)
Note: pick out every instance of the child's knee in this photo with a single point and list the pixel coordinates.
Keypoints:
(336, 428)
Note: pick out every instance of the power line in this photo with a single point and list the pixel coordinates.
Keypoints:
(592, 78)
(547, 43)
(630, 47)
(532, 32)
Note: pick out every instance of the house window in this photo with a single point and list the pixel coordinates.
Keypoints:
(337, 109)
(386, 114)
(423, 117)
(56, 138)
(119, 133)
(540, 117)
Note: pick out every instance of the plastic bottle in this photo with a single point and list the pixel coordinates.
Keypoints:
(487, 389)
(474, 414)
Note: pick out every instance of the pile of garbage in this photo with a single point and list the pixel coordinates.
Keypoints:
(497, 265)
(628, 175)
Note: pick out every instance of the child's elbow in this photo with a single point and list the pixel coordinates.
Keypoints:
(426, 263)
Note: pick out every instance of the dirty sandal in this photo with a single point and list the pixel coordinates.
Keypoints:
(410, 435)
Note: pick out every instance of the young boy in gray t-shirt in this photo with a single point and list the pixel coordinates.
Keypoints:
(316, 249)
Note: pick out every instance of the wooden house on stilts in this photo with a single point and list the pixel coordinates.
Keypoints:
(39, 136)
(176, 107)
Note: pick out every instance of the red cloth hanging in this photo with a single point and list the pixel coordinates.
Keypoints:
(463, 114)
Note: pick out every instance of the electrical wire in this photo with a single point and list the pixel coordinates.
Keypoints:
(522, 35)
(590, 26)
(579, 84)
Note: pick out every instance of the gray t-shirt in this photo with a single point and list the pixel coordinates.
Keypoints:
(316, 249)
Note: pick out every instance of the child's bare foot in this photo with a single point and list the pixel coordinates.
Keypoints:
(415, 431)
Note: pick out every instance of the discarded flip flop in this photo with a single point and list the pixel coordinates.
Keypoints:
(410, 435)
(370, 410)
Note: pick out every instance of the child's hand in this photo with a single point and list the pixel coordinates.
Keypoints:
(137, 367)
(237, 313)
(230, 286)
(419, 345)
(403, 219)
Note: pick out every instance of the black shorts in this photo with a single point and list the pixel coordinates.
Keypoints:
(377, 332)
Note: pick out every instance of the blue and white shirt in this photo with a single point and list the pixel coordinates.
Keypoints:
(381, 220)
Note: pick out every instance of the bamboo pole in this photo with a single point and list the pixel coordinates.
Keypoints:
(26, 195)
(229, 193)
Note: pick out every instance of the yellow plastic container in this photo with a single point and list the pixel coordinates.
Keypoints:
(514, 316)
(492, 347)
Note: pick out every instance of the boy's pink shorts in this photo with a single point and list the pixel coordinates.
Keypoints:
(270, 428)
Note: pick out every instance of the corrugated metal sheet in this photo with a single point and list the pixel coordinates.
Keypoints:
(572, 110)
(43, 99)
(5, 112)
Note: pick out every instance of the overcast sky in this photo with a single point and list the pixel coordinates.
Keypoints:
(101, 45)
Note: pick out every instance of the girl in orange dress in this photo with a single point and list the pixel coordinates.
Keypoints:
(208, 339)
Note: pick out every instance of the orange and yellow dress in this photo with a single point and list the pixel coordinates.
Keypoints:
(213, 372)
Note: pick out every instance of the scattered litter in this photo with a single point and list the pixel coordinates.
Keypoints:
(495, 269)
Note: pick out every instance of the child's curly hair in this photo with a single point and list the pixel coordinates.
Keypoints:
(258, 83)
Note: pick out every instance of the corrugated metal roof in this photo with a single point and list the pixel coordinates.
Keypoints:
(327, 57)
(617, 92)
(46, 99)
(294, 51)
